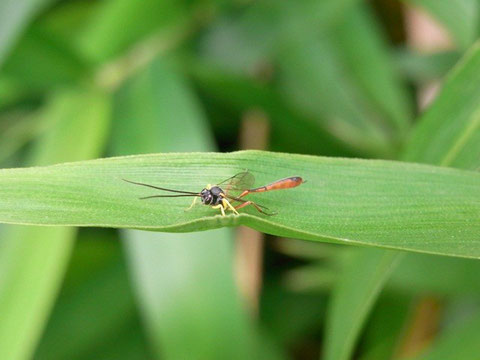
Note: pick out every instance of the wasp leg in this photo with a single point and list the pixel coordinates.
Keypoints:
(193, 204)
(219, 206)
(227, 204)
(246, 203)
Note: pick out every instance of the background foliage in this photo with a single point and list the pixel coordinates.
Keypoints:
(340, 78)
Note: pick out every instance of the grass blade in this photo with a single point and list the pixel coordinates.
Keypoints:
(314, 79)
(105, 323)
(90, 319)
(241, 94)
(370, 202)
(434, 129)
(368, 58)
(367, 272)
(33, 260)
(452, 123)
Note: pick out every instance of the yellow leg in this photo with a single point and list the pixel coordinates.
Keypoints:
(227, 204)
(193, 204)
(220, 206)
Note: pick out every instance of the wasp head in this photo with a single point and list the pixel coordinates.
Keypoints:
(206, 196)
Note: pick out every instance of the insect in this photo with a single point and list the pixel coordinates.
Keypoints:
(225, 194)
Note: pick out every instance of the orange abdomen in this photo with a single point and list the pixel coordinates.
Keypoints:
(286, 183)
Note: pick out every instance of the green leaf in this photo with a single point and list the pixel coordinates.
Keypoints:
(314, 79)
(55, 64)
(423, 68)
(152, 108)
(325, 52)
(432, 129)
(379, 203)
(242, 40)
(170, 270)
(460, 17)
(241, 94)
(96, 324)
(89, 319)
(330, 77)
(67, 20)
(370, 64)
(374, 265)
(118, 24)
(289, 316)
(19, 130)
(75, 113)
(127, 343)
(33, 260)
(449, 132)
(14, 16)
(380, 338)
(438, 275)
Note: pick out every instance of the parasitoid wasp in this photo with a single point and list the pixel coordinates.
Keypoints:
(222, 195)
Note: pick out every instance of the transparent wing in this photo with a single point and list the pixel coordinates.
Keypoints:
(237, 183)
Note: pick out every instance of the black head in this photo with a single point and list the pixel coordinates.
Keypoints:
(206, 196)
(211, 196)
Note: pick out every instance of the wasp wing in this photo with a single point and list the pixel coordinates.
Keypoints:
(237, 183)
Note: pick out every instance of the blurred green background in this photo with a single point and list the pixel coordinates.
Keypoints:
(81, 79)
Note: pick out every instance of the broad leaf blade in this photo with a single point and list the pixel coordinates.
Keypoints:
(432, 141)
(172, 269)
(374, 265)
(90, 320)
(32, 262)
(371, 202)
(242, 40)
(241, 94)
(33, 259)
(370, 63)
(324, 66)
(314, 79)
(387, 320)
(356, 290)
(449, 131)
